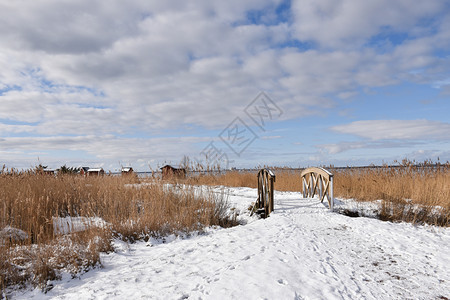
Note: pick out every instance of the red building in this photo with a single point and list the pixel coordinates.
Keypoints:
(170, 172)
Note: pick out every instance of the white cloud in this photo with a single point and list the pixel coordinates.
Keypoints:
(102, 148)
(341, 147)
(87, 68)
(347, 146)
(68, 26)
(271, 137)
(168, 65)
(396, 129)
(349, 23)
(441, 83)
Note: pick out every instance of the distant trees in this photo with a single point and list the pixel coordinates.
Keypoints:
(39, 169)
(68, 170)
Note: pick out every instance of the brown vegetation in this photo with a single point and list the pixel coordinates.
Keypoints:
(417, 193)
(32, 250)
(409, 191)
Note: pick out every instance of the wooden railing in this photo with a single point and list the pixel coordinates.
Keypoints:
(264, 203)
(320, 181)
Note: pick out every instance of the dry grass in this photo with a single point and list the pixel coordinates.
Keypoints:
(35, 253)
(232, 179)
(412, 192)
(417, 193)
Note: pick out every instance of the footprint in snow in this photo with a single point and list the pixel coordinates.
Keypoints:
(282, 281)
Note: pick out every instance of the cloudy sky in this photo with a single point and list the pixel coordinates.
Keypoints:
(141, 83)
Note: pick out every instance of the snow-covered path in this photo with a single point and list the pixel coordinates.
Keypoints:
(302, 251)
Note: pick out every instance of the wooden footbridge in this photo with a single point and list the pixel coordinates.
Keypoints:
(315, 181)
(318, 181)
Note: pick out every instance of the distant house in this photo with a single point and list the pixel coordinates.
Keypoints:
(170, 172)
(84, 170)
(95, 172)
(127, 170)
(48, 171)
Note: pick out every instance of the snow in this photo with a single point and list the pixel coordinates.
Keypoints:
(302, 251)
(74, 224)
(12, 233)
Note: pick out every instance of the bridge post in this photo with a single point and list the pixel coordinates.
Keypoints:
(272, 180)
(331, 193)
(265, 202)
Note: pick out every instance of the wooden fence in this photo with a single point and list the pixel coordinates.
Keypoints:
(320, 181)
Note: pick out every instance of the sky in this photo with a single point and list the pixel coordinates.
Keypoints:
(242, 83)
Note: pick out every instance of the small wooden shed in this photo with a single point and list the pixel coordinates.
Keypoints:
(127, 171)
(84, 171)
(95, 172)
(170, 172)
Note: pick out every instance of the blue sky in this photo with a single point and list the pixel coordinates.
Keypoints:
(142, 83)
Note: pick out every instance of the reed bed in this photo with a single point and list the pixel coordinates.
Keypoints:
(231, 179)
(411, 192)
(408, 191)
(34, 249)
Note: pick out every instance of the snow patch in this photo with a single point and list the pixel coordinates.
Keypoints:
(12, 233)
(68, 225)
